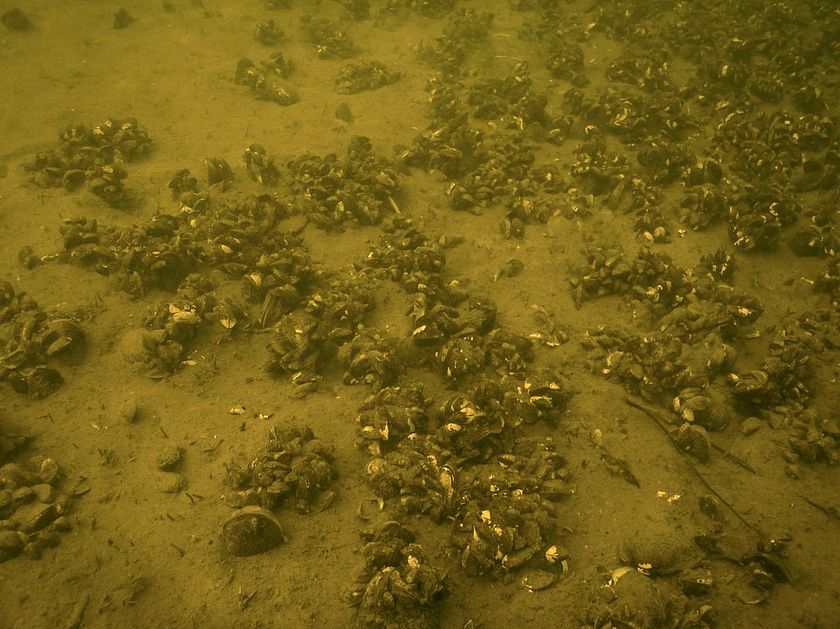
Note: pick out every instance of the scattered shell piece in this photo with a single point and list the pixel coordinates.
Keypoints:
(618, 573)
(553, 554)
(80, 487)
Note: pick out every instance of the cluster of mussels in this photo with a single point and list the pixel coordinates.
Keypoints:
(650, 275)
(327, 37)
(490, 168)
(431, 462)
(496, 165)
(268, 33)
(33, 507)
(467, 462)
(29, 338)
(758, 164)
(314, 318)
(451, 329)
(426, 8)
(764, 170)
(294, 466)
(397, 587)
(364, 75)
(93, 156)
(465, 28)
(688, 355)
(359, 187)
(240, 241)
(267, 80)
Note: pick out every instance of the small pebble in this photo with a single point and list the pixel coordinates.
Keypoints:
(750, 425)
(16, 20)
(11, 545)
(32, 550)
(126, 409)
(343, 113)
(169, 458)
(830, 427)
(44, 492)
(122, 19)
(171, 482)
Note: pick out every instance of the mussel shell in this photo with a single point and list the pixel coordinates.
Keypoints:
(536, 580)
(218, 170)
(771, 564)
(754, 381)
(61, 334)
(547, 397)
(73, 178)
(251, 530)
(38, 383)
(696, 581)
